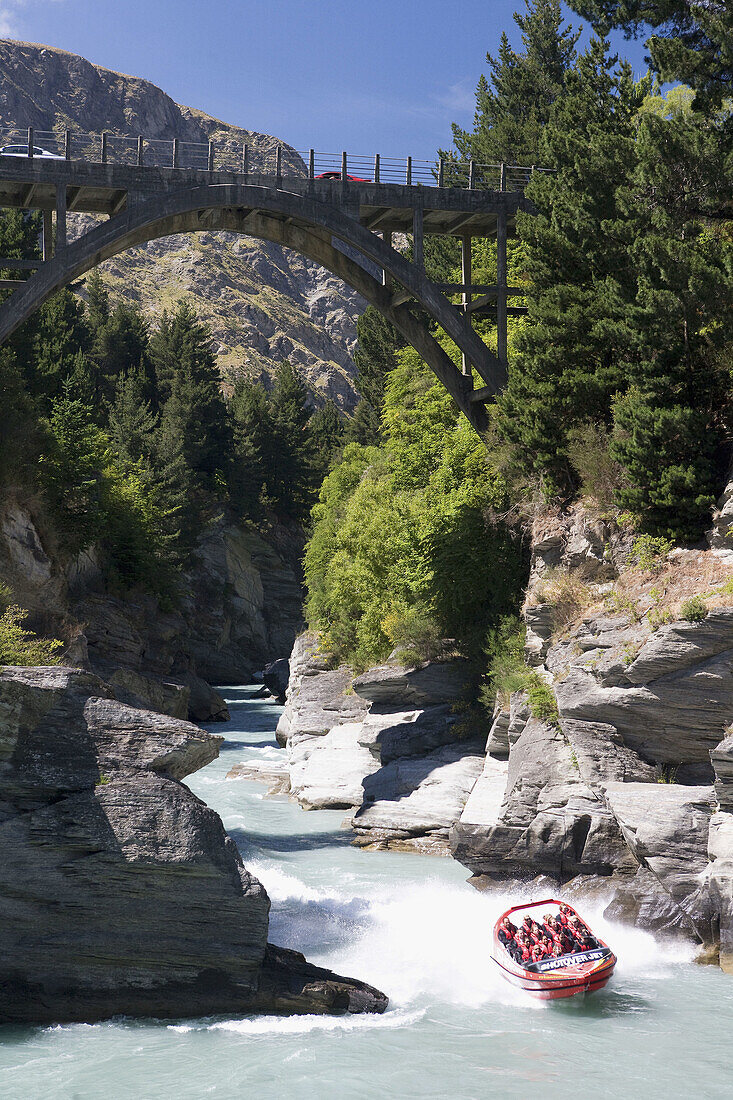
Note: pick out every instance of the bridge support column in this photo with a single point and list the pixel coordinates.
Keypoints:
(501, 283)
(466, 300)
(418, 245)
(387, 238)
(60, 216)
(47, 235)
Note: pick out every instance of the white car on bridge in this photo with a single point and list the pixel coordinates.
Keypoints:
(22, 151)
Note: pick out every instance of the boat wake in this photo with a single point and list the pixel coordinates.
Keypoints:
(430, 942)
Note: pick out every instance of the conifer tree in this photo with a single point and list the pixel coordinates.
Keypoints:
(326, 429)
(19, 434)
(132, 423)
(59, 335)
(98, 309)
(289, 472)
(377, 342)
(71, 469)
(514, 104)
(569, 359)
(120, 345)
(693, 43)
(194, 418)
(253, 447)
(671, 424)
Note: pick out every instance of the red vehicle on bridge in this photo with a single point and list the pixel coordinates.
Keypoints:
(337, 176)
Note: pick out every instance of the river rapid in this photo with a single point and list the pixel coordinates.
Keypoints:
(413, 927)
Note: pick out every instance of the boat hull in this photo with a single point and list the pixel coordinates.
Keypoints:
(584, 972)
(567, 984)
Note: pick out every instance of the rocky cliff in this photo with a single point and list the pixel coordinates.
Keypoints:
(120, 892)
(241, 606)
(263, 303)
(625, 787)
(389, 746)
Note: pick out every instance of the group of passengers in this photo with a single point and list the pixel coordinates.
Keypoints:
(562, 934)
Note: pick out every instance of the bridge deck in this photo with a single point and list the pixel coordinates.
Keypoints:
(35, 183)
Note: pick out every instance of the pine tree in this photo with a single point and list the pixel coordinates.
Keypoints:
(326, 430)
(71, 469)
(98, 309)
(19, 434)
(514, 104)
(253, 447)
(194, 418)
(694, 42)
(377, 342)
(289, 472)
(120, 345)
(570, 357)
(60, 334)
(671, 424)
(132, 423)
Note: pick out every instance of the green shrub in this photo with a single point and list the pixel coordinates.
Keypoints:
(19, 646)
(404, 551)
(649, 552)
(542, 701)
(693, 610)
(507, 671)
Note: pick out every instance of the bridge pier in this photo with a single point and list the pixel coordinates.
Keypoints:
(466, 279)
(60, 216)
(501, 287)
(47, 235)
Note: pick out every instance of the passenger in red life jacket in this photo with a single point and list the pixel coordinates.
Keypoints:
(557, 951)
(582, 934)
(539, 952)
(507, 932)
(564, 915)
(523, 948)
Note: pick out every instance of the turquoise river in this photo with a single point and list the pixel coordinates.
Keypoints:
(411, 926)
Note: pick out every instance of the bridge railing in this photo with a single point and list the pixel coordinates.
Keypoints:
(263, 158)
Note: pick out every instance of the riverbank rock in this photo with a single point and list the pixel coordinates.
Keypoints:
(120, 892)
(389, 744)
(276, 676)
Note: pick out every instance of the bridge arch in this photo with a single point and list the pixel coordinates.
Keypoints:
(304, 224)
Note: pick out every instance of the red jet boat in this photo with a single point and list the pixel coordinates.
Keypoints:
(549, 979)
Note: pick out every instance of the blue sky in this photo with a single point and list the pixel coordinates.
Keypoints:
(377, 75)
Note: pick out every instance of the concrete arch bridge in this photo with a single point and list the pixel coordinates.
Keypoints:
(343, 223)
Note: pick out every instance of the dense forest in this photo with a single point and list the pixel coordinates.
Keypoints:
(619, 373)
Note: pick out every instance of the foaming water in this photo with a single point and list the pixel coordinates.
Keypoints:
(413, 927)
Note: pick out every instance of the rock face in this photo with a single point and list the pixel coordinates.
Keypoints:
(120, 892)
(386, 745)
(241, 604)
(671, 702)
(263, 303)
(618, 790)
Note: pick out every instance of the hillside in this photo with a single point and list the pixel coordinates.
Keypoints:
(263, 303)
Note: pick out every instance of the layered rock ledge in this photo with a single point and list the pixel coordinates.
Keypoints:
(387, 745)
(120, 891)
